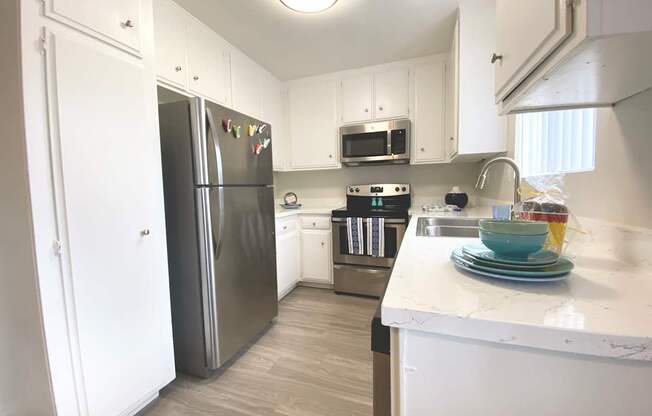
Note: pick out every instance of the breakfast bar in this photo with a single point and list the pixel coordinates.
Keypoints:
(512, 343)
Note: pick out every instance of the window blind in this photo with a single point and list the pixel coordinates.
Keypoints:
(555, 141)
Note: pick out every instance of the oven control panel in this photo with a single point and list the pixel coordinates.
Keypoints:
(386, 189)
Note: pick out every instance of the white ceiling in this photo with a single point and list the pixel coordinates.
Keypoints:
(352, 34)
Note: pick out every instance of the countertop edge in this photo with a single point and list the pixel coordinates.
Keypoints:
(524, 335)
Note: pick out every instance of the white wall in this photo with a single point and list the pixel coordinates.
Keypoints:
(620, 188)
(429, 182)
(24, 380)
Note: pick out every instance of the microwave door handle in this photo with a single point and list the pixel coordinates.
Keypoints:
(212, 132)
(389, 142)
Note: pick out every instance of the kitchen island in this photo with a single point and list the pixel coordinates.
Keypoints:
(582, 346)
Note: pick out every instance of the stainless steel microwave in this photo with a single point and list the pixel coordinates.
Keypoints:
(384, 142)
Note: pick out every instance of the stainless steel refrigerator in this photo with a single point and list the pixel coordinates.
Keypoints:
(219, 208)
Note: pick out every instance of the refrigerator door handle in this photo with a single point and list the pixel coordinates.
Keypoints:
(198, 131)
(207, 267)
(212, 131)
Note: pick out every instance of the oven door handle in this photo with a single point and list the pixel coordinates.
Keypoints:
(360, 269)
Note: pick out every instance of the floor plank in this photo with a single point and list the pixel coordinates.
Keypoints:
(315, 360)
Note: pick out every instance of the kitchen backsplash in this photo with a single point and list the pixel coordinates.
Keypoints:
(429, 182)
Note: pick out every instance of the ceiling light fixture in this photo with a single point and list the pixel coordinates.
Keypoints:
(308, 6)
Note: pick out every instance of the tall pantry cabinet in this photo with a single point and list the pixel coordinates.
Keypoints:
(93, 159)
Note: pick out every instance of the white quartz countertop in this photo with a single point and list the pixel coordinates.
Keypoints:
(305, 210)
(604, 308)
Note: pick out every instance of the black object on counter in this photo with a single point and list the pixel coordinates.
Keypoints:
(456, 197)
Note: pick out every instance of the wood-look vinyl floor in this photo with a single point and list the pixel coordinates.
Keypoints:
(315, 360)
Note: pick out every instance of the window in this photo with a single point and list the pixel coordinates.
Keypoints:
(555, 141)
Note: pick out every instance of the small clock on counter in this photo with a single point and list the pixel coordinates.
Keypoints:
(291, 201)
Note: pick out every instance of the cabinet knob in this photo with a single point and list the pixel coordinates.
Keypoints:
(177, 68)
(366, 110)
(322, 244)
(285, 227)
(330, 156)
(495, 57)
(196, 77)
(380, 108)
(314, 224)
(145, 232)
(423, 149)
(451, 139)
(127, 23)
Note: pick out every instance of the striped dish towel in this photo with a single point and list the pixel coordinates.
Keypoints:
(376, 237)
(354, 236)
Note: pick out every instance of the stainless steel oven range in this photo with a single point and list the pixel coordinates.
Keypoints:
(363, 274)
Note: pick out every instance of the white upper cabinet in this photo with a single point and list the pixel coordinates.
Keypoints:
(208, 67)
(117, 22)
(541, 26)
(312, 110)
(473, 122)
(391, 93)
(273, 112)
(429, 101)
(356, 98)
(170, 45)
(553, 54)
(246, 85)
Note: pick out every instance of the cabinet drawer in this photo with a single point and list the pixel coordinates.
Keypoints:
(316, 223)
(286, 225)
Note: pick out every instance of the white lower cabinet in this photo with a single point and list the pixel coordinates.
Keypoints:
(288, 255)
(109, 211)
(316, 255)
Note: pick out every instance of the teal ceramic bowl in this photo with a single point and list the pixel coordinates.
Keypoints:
(512, 245)
(515, 227)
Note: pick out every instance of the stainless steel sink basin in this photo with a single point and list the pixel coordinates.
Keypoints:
(447, 227)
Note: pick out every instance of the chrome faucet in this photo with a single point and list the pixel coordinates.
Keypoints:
(517, 175)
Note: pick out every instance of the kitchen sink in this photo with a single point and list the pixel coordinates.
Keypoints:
(447, 227)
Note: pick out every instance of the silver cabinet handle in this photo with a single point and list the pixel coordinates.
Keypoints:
(196, 77)
(145, 232)
(177, 68)
(495, 57)
(127, 23)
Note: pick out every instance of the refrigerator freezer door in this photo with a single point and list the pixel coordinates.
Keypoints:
(244, 265)
(233, 160)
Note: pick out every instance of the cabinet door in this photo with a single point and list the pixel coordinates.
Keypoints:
(207, 64)
(452, 93)
(526, 33)
(273, 113)
(107, 177)
(246, 85)
(313, 129)
(288, 262)
(170, 45)
(356, 98)
(392, 95)
(117, 21)
(316, 264)
(429, 123)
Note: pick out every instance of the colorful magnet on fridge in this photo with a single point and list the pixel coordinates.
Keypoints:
(252, 129)
(236, 131)
(226, 125)
(257, 148)
(262, 128)
(266, 142)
